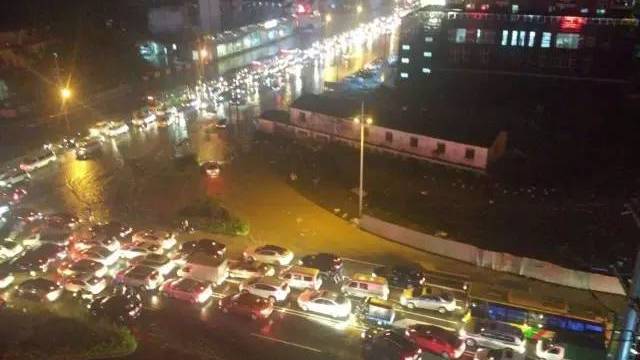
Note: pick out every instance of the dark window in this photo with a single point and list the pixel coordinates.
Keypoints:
(470, 153)
(440, 148)
(388, 136)
(302, 117)
(364, 286)
(413, 142)
(307, 278)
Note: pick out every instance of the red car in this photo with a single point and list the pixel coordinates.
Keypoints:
(247, 305)
(437, 340)
(187, 289)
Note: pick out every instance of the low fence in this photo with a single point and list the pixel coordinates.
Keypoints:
(497, 261)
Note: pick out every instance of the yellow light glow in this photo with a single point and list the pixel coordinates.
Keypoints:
(203, 53)
(359, 9)
(356, 120)
(328, 18)
(65, 93)
(369, 121)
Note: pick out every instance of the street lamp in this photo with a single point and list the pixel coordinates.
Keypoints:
(359, 9)
(363, 122)
(328, 18)
(65, 95)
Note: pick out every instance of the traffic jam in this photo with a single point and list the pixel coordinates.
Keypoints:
(117, 272)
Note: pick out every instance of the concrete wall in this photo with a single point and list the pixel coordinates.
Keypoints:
(531, 268)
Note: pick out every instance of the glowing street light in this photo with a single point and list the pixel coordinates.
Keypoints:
(65, 93)
(203, 53)
(359, 9)
(363, 122)
(328, 18)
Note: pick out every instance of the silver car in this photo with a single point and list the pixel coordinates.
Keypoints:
(441, 303)
(494, 335)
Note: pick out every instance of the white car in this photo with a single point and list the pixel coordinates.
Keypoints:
(88, 284)
(325, 302)
(442, 303)
(143, 119)
(9, 249)
(246, 270)
(13, 177)
(39, 160)
(498, 354)
(140, 276)
(100, 254)
(270, 254)
(548, 351)
(134, 249)
(211, 168)
(117, 128)
(83, 267)
(166, 239)
(163, 264)
(99, 129)
(270, 287)
(6, 279)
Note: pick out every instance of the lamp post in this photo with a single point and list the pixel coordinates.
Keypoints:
(363, 122)
(65, 95)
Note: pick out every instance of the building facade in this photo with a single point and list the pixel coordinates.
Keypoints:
(510, 42)
(305, 123)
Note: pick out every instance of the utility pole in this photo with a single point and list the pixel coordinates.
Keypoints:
(362, 123)
(627, 333)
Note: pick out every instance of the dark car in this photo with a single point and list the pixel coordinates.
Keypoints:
(207, 246)
(402, 275)
(61, 220)
(39, 259)
(123, 306)
(113, 229)
(330, 265)
(25, 214)
(12, 196)
(389, 345)
(39, 289)
(246, 304)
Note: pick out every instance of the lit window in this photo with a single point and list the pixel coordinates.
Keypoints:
(406, 47)
(427, 54)
(567, 41)
(515, 8)
(405, 60)
(532, 38)
(546, 40)
(505, 38)
(601, 11)
(404, 75)
(461, 35)
(428, 39)
(521, 39)
(514, 37)
(426, 70)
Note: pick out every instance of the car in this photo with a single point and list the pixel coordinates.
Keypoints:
(53, 236)
(546, 350)
(81, 240)
(498, 354)
(6, 279)
(402, 275)
(222, 123)
(437, 340)
(143, 118)
(270, 254)
(207, 246)
(245, 270)
(389, 344)
(116, 128)
(13, 177)
(325, 302)
(162, 263)
(82, 267)
(26, 214)
(246, 304)
(131, 250)
(122, 307)
(270, 287)
(494, 335)
(140, 277)
(99, 129)
(100, 254)
(61, 220)
(165, 120)
(85, 284)
(39, 259)
(166, 239)
(331, 266)
(211, 168)
(10, 249)
(442, 303)
(39, 289)
(37, 161)
(113, 229)
(87, 149)
(12, 196)
(187, 289)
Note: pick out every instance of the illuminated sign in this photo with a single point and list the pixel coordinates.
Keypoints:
(270, 24)
(574, 23)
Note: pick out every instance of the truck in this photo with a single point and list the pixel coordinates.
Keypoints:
(204, 267)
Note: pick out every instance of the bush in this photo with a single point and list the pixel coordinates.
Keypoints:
(210, 216)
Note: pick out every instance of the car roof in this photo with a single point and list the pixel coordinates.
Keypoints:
(369, 278)
(302, 270)
(275, 248)
(38, 283)
(437, 331)
(269, 280)
(187, 284)
(140, 270)
(249, 299)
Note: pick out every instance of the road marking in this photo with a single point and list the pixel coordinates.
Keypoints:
(361, 262)
(427, 316)
(286, 342)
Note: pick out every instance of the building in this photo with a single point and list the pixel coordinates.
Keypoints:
(463, 144)
(587, 46)
(210, 16)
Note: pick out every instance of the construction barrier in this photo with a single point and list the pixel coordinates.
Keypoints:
(498, 261)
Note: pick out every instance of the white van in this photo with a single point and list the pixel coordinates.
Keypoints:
(39, 160)
(363, 285)
(205, 267)
(300, 277)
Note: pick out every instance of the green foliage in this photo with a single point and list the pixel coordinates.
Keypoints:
(210, 216)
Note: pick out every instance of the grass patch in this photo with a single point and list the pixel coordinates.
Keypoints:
(209, 215)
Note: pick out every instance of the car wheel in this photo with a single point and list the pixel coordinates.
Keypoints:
(470, 342)
(442, 310)
(444, 355)
(411, 305)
